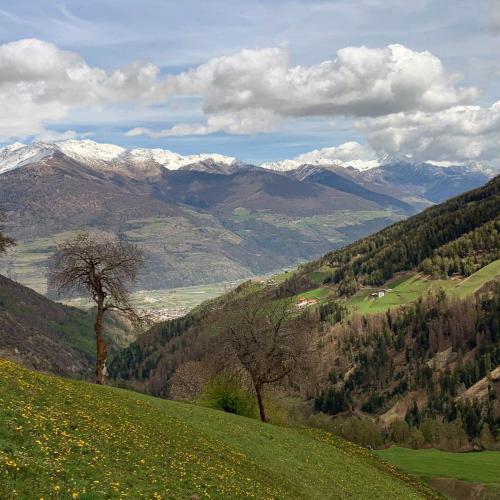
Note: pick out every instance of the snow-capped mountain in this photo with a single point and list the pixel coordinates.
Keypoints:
(106, 156)
(18, 154)
(287, 165)
(363, 165)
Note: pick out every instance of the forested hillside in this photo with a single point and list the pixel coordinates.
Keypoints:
(460, 235)
(403, 363)
(48, 336)
(437, 357)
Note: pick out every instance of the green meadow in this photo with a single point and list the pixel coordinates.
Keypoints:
(483, 467)
(61, 438)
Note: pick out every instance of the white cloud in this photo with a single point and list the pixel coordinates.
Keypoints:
(239, 89)
(405, 101)
(242, 122)
(247, 92)
(460, 132)
(39, 83)
(55, 135)
(344, 152)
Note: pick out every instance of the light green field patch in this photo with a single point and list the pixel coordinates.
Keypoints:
(317, 293)
(320, 274)
(406, 289)
(475, 281)
(483, 467)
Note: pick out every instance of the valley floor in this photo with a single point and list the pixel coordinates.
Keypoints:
(66, 439)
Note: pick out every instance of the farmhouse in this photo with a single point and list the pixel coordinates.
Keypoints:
(303, 302)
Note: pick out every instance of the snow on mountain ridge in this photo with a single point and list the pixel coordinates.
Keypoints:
(90, 152)
(103, 156)
(116, 158)
(287, 165)
(18, 154)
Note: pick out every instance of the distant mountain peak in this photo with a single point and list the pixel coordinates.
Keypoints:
(105, 156)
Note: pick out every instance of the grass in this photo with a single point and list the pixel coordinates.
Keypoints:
(69, 439)
(317, 293)
(408, 288)
(481, 467)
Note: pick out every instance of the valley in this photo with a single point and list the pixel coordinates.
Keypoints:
(250, 250)
(161, 305)
(201, 220)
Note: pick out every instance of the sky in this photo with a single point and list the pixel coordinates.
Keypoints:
(256, 79)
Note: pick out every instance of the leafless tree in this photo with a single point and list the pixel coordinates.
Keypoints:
(267, 340)
(102, 268)
(5, 241)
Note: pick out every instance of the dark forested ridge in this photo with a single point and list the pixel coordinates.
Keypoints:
(450, 235)
(48, 336)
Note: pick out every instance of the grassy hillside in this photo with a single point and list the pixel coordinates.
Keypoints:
(479, 468)
(68, 439)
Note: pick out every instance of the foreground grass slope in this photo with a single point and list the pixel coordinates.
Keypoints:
(66, 439)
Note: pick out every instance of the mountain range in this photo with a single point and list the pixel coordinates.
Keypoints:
(203, 218)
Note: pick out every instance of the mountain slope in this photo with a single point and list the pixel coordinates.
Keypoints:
(405, 245)
(52, 433)
(407, 343)
(201, 218)
(48, 336)
(427, 181)
(197, 225)
(330, 178)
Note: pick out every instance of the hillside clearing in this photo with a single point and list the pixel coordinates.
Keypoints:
(409, 288)
(62, 438)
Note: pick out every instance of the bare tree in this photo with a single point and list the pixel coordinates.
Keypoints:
(102, 268)
(265, 339)
(5, 241)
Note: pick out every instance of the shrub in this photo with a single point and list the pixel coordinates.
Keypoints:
(224, 393)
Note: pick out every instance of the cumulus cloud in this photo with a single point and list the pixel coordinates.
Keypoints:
(239, 88)
(39, 83)
(460, 132)
(405, 101)
(55, 135)
(241, 122)
(344, 152)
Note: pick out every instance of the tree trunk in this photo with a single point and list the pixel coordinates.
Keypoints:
(262, 410)
(101, 354)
